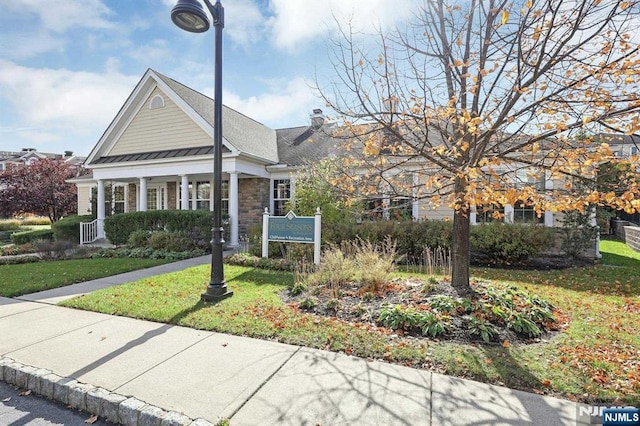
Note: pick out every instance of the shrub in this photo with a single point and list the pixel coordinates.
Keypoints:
(16, 249)
(147, 253)
(56, 249)
(68, 228)
(374, 263)
(32, 236)
(481, 328)
(511, 242)
(35, 220)
(334, 270)
(398, 317)
(168, 241)
(19, 260)
(119, 227)
(577, 233)
(246, 259)
(411, 236)
(9, 225)
(139, 238)
(408, 318)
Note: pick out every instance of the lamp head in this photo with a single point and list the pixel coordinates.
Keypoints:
(190, 16)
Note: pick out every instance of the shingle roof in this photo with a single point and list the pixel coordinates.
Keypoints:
(298, 146)
(245, 134)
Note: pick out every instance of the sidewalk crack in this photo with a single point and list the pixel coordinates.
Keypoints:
(267, 380)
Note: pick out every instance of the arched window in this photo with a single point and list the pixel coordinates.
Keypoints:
(156, 102)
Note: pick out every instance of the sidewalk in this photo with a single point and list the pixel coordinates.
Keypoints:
(145, 372)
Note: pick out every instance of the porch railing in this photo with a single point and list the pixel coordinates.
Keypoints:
(91, 231)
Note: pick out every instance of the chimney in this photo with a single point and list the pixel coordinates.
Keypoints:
(68, 154)
(317, 119)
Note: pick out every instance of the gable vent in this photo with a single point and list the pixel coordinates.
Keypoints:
(156, 102)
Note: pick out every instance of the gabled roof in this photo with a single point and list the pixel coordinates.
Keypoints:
(241, 134)
(245, 134)
(298, 146)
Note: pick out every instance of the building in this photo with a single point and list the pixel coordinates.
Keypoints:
(29, 155)
(157, 154)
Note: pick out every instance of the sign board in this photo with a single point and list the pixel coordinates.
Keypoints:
(291, 229)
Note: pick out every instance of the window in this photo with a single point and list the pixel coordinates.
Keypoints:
(118, 199)
(156, 102)
(401, 208)
(374, 209)
(224, 195)
(524, 213)
(152, 199)
(203, 195)
(488, 214)
(634, 151)
(281, 195)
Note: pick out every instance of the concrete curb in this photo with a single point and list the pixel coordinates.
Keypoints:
(113, 407)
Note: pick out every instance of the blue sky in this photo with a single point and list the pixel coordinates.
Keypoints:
(67, 66)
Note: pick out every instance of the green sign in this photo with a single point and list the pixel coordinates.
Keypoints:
(291, 228)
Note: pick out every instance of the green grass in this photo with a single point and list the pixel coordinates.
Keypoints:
(16, 280)
(596, 358)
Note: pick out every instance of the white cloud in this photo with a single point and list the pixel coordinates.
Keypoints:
(155, 51)
(26, 46)
(244, 22)
(59, 16)
(285, 104)
(295, 23)
(55, 103)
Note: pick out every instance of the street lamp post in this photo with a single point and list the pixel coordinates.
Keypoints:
(190, 16)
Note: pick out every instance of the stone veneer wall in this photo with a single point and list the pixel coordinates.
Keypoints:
(171, 196)
(131, 199)
(253, 194)
(631, 236)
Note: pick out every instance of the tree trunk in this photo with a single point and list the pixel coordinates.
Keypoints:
(460, 246)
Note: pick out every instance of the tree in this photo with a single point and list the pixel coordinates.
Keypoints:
(476, 101)
(39, 188)
(314, 189)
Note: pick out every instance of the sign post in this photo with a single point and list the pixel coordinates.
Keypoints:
(292, 229)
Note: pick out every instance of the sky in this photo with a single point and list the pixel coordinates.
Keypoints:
(67, 66)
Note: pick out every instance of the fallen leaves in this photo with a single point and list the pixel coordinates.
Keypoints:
(91, 420)
(25, 393)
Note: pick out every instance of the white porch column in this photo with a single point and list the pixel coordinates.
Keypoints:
(142, 206)
(508, 213)
(184, 192)
(548, 215)
(100, 207)
(594, 222)
(233, 209)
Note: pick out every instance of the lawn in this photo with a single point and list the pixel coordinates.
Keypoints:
(595, 359)
(16, 280)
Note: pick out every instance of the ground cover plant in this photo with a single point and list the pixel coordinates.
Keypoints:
(595, 358)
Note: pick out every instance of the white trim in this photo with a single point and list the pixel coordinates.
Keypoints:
(233, 209)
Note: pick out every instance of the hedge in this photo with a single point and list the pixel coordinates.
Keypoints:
(119, 227)
(68, 228)
(511, 242)
(498, 241)
(31, 236)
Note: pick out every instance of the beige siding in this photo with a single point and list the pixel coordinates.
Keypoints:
(160, 129)
(84, 200)
(426, 211)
